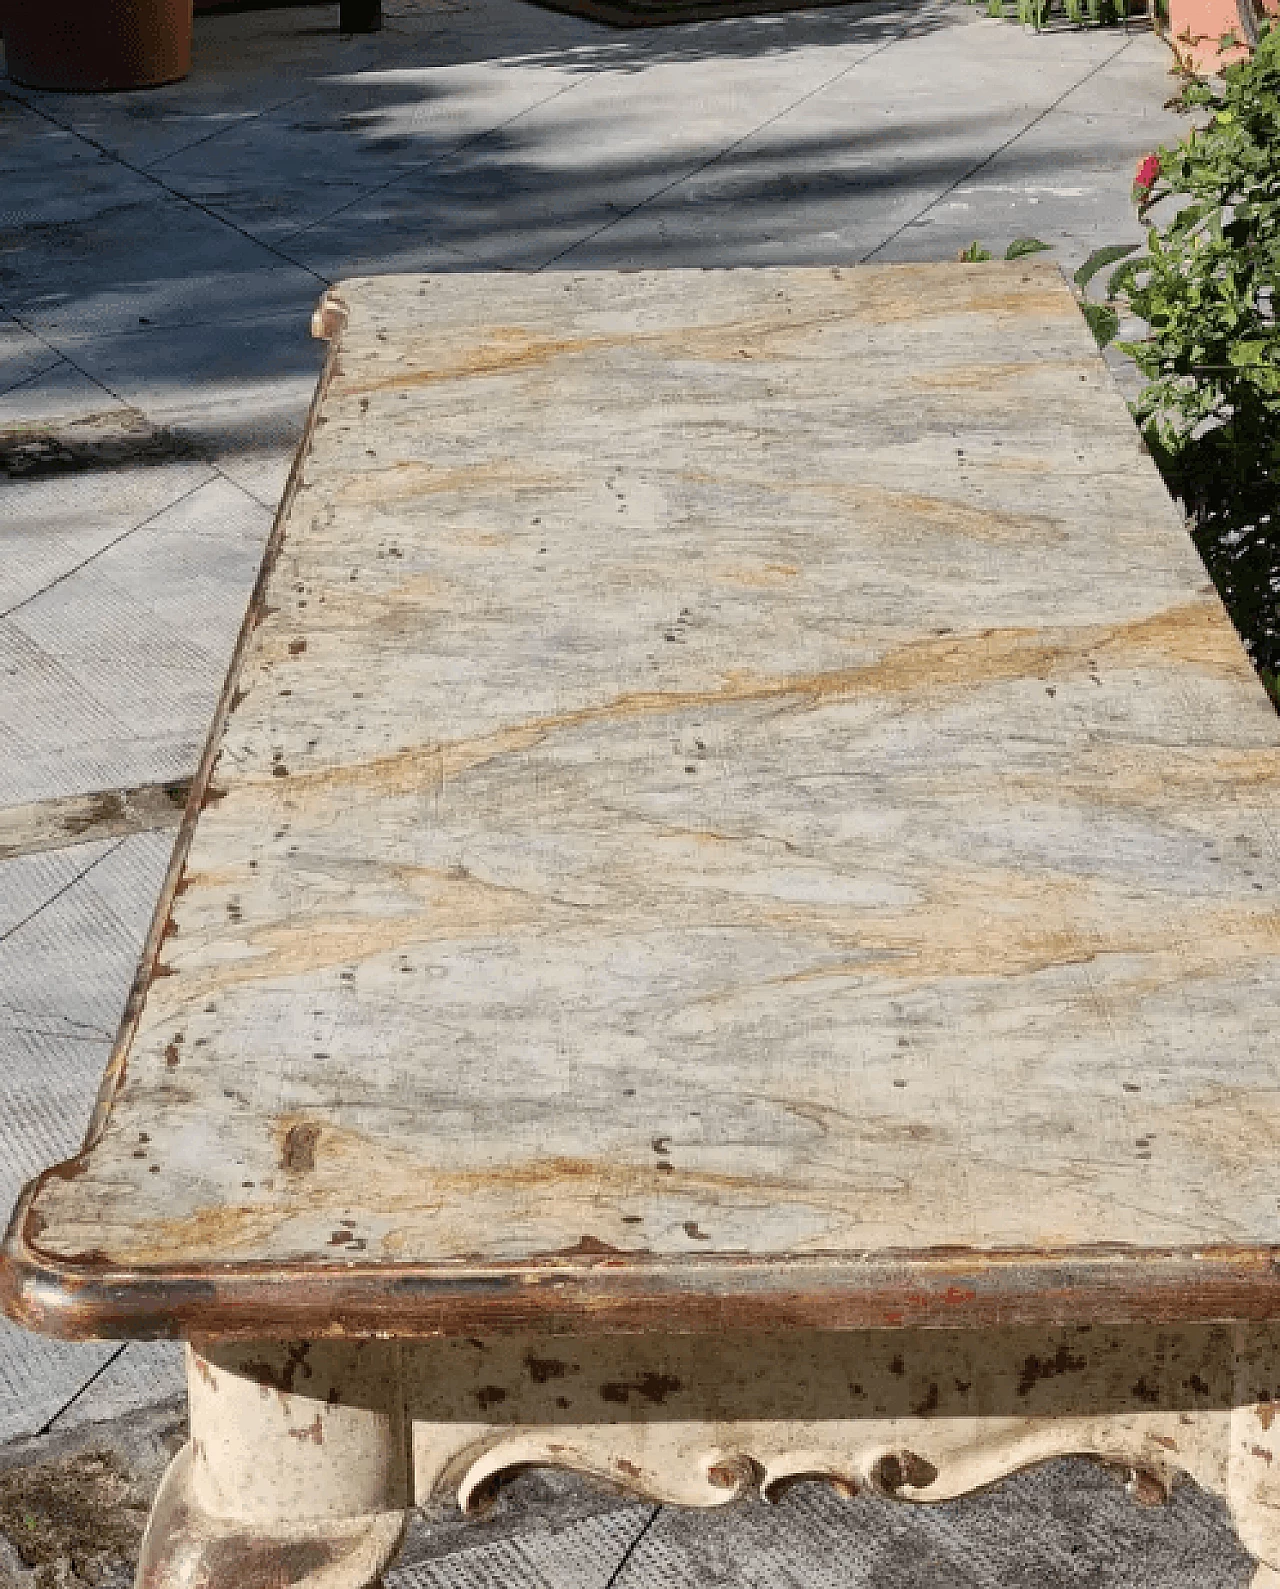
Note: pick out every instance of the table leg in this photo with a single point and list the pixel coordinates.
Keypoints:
(360, 16)
(1253, 1455)
(297, 1471)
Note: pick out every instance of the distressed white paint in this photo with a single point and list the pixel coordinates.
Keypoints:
(300, 1447)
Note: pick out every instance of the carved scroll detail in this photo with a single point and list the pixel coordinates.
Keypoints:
(704, 1465)
(913, 1415)
(299, 1452)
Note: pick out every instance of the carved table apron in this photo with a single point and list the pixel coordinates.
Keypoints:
(726, 931)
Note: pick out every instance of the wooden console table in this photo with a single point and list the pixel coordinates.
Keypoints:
(727, 931)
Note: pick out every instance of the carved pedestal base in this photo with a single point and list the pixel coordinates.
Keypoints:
(185, 1545)
(305, 1458)
(297, 1471)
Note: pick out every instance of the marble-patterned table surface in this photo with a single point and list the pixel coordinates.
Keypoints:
(735, 782)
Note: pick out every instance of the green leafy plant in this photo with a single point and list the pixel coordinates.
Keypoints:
(1039, 14)
(975, 254)
(1102, 318)
(1208, 289)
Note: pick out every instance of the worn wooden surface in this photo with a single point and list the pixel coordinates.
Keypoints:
(735, 763)
(65, 820)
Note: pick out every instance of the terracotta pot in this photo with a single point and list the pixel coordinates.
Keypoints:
(1195, 28)
(97, 44)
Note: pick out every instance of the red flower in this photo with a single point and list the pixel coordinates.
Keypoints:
(1145, 177)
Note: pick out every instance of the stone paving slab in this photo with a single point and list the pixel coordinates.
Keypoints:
(1065, 180)
(117, 628)
(135, 1374)
(24, 358)
(60, 519)
(247, 64)
(582, 1553)
(875, 167)
(1068, 1524)
(71, 928)
(53, 391)
(72, 923)
(525, 195)
(320, 152)
(162, 263)
(235, 395)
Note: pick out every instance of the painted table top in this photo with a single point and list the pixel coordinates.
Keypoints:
(737, 800)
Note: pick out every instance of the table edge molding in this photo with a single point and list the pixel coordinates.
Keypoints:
(617, 1292)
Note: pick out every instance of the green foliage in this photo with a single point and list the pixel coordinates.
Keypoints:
(1208, 288)
(1102, 320)
(1079, 13)
(975, 254)
(1100, 259)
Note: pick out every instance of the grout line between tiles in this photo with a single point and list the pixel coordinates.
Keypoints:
(630, 1551)
(729, 148)
(165, 187)
(267, 507)
(102, 550)
(91, 1034)
(28, 379)
(60, 355)
(426, 165)
(92, 1379)
(57, 895)
(231, 126)
(996, 153)
(62, 1037)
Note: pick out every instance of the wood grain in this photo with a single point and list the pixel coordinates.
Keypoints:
(727, 764)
